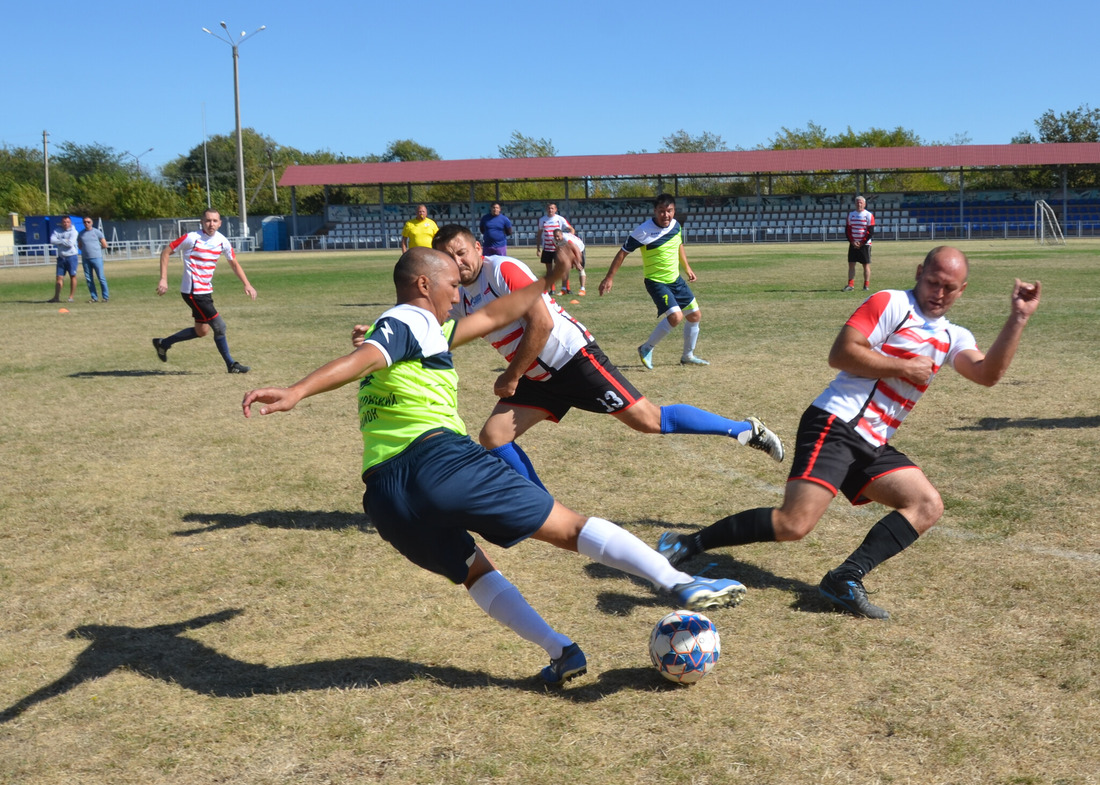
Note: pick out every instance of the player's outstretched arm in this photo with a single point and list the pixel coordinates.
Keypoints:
(330, 376)
(162, 284)
(616, 263)
(988, 369)
(239, 272)
(508, 308)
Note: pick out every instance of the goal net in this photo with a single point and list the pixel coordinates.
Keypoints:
(185, 225)
(1047, 231)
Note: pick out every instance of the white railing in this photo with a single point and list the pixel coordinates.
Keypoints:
(39, 255)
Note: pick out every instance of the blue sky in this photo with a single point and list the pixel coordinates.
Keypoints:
(593, 77)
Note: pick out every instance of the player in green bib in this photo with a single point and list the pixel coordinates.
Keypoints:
(661, 240)
(429, 485)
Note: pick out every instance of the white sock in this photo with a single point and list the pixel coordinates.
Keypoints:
(662, 329)
(613, 546)
(496, 595)
(691, 337)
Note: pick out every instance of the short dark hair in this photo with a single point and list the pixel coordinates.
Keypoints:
(448, 232)
(211, 210)
(663, 200)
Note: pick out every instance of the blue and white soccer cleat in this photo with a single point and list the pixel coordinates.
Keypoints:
(569, 665)
(702, 593)
(645, 354)
(849, 594)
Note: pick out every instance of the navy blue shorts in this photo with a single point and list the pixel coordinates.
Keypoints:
(426, 501)
(67, 264)
(202, 306)
(588, 382)
(675, 296)
(829, 452)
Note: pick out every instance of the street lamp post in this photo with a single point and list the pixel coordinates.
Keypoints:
(137, 158)
(242, 206)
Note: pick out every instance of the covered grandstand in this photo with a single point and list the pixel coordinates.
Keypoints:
(762, 216)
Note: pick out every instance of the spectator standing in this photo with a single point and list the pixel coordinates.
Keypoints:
(92, 246)
(419, 231)
(496, 228)
(547, 224)
(66, 240)
(200, 252)
(661, 241)
(859, 228)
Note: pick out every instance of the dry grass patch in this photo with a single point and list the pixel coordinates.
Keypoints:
(187, 597)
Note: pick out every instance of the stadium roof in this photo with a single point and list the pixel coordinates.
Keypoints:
(840, 159)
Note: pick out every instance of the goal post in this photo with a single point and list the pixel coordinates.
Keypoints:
(1047, 230)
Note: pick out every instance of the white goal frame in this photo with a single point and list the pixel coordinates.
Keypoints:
(1047, 230)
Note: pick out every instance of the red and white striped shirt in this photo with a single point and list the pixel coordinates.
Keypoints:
(502, 274)
(859, 225)
(200, 256)
(894, 326)
(547, 225)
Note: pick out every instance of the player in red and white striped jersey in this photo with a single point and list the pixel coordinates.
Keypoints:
(200, 252)
(547, 245)
(887, 353)
(859, 228)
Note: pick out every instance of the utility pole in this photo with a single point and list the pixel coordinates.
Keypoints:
(46, 159)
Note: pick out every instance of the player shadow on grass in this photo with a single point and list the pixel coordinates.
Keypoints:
(163, 653)
(125, 374)
(1039, 423)
(309, 520)
(713, 564)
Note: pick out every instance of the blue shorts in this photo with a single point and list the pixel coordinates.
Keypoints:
(829, 452)
(426, 501)
(67, 264)
(668, 297)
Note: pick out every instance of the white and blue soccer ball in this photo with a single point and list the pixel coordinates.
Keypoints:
(684, 646)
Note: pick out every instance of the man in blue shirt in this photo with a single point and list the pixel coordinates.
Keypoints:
(496, 228)
(92, 244)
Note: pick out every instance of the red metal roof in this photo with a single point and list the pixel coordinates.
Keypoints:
(687, 164)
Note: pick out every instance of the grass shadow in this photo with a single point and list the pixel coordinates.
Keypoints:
(308, 520)
(125, 374)
(1043, 423)
(162, 653)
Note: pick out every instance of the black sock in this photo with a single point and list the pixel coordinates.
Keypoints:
(740, 529)
(889, 537)
(186, 334)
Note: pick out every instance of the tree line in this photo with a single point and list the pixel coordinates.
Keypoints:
(95, 179)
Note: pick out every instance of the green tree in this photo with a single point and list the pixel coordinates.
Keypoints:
(521, 146)
(683, 142)
(1076, 125)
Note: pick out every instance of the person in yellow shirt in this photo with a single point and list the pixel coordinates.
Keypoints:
(419, 231)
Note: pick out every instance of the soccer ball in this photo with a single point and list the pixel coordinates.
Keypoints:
(684, 646)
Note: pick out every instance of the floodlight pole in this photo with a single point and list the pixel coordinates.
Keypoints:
(242, 205)
(137, 158)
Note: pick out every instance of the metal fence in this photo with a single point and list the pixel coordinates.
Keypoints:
(791, 233)
(39, 255)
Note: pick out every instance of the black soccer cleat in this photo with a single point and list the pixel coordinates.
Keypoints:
(849, 594)
(236, 367)
(162, 350)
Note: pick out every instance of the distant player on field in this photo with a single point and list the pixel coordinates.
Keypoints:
(429, 485)
(661, 241)
(573, 247)
(859, 227)
(547, 224)
(418, 232)
(887, 353)
(200, 252)
(496, 228)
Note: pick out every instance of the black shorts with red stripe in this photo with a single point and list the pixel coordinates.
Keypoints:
(202, 306)
(589, 382)
(828, 451)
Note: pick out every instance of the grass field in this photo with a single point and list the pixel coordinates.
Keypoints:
(188, 597)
